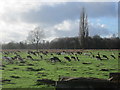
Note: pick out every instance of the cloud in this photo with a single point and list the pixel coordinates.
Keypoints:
(14, 32)
(70, 10)
(22, 5)
(94, 29)
(59, 30)
(98, 29)
(34, 11)
(67, 28)
(64, 26)
(58, 19)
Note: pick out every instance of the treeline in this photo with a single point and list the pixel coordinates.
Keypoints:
(95, 42)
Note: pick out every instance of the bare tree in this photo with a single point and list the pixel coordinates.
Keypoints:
(83, 29)
(35, 36)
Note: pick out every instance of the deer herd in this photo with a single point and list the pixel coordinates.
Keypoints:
(53, 56)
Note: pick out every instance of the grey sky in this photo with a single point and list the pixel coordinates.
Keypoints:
(57, 19)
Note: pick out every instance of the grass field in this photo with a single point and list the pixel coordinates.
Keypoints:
(25, 74)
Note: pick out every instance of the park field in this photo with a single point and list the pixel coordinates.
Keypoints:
(23, 72)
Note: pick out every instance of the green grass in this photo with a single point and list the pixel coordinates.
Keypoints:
(49, 70)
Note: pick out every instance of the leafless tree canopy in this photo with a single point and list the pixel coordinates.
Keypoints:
(83, 29)
(36, 36)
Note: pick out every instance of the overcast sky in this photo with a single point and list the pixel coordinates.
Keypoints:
(57, 19)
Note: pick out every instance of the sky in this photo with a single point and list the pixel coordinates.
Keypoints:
(58, 18)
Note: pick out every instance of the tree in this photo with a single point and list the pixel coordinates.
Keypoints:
(83, 29)
(35, 36)
(22, 45)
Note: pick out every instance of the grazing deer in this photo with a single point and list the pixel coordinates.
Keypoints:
(72, 57)
(67, 58)
(55, 59)
(8, 59)
(41, 56)
(58, 53)
(20, 59)
(113, 55)
(77, 58)
(105, 57)
(79, 52)
(30, 57)
(98, 56)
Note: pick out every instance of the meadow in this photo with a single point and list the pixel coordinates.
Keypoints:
(24, 72)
